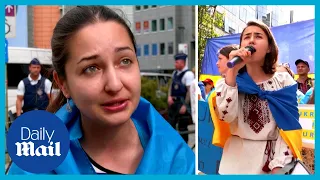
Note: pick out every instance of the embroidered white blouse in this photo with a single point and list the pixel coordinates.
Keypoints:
(255, 146)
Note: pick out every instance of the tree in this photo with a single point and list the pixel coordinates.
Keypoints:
(208, 20)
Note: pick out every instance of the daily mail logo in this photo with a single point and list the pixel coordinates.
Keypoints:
(28, 148)
(38, 142)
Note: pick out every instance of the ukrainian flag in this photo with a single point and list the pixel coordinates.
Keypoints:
(284, 108)
(221, 129)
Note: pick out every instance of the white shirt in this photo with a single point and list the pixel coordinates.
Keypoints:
(187, 78)
(256, 142)
(194, 93)
(21, 88)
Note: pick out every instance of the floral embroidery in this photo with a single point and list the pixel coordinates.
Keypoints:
(225, 112)
(229, 100)
(256, 112)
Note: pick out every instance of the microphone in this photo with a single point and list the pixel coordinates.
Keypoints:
(236, 60)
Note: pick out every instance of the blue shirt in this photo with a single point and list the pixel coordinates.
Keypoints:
(165, 152)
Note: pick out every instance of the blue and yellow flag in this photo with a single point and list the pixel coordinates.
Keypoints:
(221, 128)
(281, 102)
(284, 108)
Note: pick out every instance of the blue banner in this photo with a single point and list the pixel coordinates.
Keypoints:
(209, 156)
(295, 41)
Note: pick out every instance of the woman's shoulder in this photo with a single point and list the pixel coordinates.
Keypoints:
(220, 82)
(284, 78)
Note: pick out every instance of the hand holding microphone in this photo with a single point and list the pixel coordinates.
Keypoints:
(237, 59)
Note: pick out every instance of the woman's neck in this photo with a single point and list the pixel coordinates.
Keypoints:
(256, 73)
(117, 148)
(104, 135)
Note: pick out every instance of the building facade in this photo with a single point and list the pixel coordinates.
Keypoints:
(41, 21)
(236, 17)
(159, 30)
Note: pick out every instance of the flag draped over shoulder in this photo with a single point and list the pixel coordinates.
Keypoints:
(284, 108)
(165, 152)
(221, 129)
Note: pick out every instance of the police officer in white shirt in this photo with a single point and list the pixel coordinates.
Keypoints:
(179, 95)
(34, 90)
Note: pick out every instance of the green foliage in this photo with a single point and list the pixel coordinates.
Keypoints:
(208, 20)
(149, 89)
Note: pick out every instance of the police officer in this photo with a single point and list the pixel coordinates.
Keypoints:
(179, 95)
(33, 90)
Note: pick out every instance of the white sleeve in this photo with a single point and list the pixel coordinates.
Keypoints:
(227, 101)
(286, 79)
(282, 154)
(21, 89)
(189, 77)
(47, 85)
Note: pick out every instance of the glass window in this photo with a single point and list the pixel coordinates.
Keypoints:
(170, 23)
(138, 27)
(146, 26)
(170, 48)
(154, 50)
(138, 50)
(154, 25)
(162, 25)
(146, 50)
(231, 30)
(243, 14)
(145, 7)
(162, 49)
(153, 6)
(226, 24)
(138, 8)
(16, 72)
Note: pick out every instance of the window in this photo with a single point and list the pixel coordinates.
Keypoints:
(162, 49)
(231, 30)
(61, 8)
(226, 24)
(146, 50)
(243, 14)
(170, 23)
(154, 49)
(153, 6)
(154, 25)
(146, 26)
(138, 50)
(266, 19)
(138, 8)
(16, 72)
(162, 25)
(145, 7)
(138, 27)
(170, 48)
